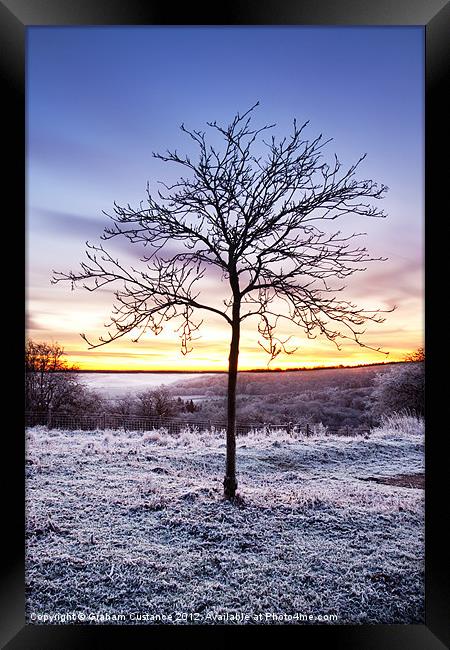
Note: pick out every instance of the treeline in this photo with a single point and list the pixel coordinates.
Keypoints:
(355, 401)
(153, 402)
(353, 397)
(51, 384)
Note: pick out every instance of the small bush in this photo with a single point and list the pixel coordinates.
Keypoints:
(402, 389)
(400, 425)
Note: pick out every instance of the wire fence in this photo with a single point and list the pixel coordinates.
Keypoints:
(103, 421)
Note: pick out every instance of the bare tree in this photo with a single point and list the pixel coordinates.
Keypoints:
(416, 356)
(44, 383)
(163, 403)
(157, 401)
(251, 209)
(50, 383)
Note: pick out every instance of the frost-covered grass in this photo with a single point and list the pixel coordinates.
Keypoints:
(400, 425)
(132, 523)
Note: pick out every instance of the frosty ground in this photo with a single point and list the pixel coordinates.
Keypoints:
(132, 527)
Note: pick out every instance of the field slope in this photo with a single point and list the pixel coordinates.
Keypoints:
(132, 528)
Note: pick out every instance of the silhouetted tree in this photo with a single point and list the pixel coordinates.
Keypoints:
(50, 383)
(42, 383)
(417, 355)
(190, 407)
(255, 219)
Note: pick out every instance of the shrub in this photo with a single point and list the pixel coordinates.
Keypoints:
(157, 402)
(399, 390)
(400, 426)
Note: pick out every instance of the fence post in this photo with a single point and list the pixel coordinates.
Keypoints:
(49, 419)
(307, 430)
(104, 420)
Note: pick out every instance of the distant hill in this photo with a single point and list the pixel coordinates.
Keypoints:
(334, 396)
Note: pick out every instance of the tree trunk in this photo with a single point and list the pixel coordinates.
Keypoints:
(229, 482)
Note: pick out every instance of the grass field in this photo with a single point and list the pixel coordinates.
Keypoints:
(132, 528)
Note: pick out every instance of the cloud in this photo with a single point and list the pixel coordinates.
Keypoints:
(392, 281)
(59, 222)
(31, 324)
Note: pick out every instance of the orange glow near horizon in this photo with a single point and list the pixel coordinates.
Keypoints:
(400, 334)
(121, 366)
(213, 356)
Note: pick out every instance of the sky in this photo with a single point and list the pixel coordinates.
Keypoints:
(100, 100)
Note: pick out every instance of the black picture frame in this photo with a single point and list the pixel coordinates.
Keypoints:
(434, 16)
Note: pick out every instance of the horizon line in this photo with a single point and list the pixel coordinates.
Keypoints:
(224, 371)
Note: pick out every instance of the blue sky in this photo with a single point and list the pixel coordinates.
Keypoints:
(100, 100)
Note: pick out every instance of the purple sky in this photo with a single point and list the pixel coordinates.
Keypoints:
(100, 100)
